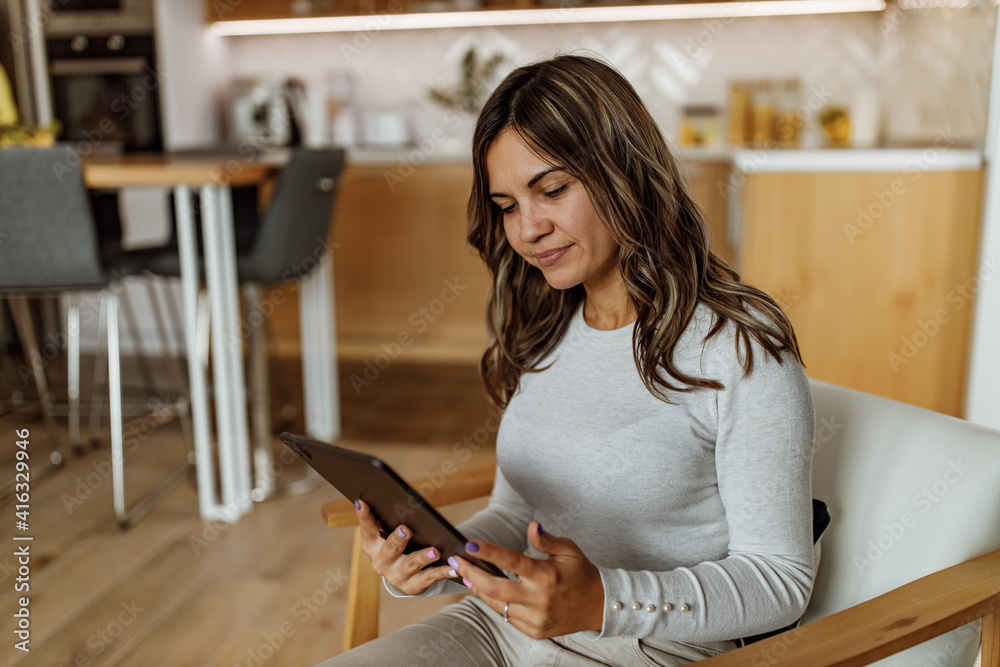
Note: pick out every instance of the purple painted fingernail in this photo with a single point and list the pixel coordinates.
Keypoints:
(452, 573)
(468, 584)
(432, 554)
(357, 505)
(401, 532)
(472, 546)
(453, 562)
(539, 527)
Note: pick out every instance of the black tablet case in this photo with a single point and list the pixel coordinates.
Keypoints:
(392, 501)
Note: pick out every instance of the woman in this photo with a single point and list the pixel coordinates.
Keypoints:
(657, 418)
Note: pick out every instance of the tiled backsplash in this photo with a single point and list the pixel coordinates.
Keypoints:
(931, 67)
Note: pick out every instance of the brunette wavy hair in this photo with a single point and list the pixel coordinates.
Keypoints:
(581, 115)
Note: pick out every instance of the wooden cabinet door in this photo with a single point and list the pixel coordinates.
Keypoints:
(407, 284)
(240, 10)
(236, 10)
(875, 272)
(707, 182)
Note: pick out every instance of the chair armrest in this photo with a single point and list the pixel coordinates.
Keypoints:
(464, 484)
(889, 623)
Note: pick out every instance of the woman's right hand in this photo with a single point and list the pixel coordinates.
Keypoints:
(404, 571)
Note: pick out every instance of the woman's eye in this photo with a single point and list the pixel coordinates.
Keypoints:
(557, 191)
(508, 209)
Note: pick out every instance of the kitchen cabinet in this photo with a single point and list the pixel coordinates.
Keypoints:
(407, 284)
(876, 271)
(236, 10)
(239, 10)
(708, 181)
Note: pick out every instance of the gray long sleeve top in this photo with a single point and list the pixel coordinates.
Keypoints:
(696, 514)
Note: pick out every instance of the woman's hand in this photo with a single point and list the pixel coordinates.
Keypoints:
(404, 571)
(557, 596)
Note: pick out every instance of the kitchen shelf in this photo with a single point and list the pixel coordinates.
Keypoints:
(260, 17)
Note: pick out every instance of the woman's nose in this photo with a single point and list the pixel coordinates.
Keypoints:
(535, 223)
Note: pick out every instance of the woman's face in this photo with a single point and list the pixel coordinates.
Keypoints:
(549, 218)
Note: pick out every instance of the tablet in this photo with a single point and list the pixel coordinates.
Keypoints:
(392, 501)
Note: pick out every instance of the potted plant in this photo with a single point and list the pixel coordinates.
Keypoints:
(464, 99)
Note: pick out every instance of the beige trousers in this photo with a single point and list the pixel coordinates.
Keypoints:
(470, 634)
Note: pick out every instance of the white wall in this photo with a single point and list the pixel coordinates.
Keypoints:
(932, 66)
(193, 68)
(983, 397)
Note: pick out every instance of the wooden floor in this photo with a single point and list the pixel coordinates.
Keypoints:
(174, 590)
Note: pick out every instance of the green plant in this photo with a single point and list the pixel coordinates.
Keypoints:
(474, 82)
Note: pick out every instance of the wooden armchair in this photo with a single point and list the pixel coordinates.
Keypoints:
(911, 558)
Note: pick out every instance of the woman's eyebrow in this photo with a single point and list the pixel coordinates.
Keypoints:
(537, 177)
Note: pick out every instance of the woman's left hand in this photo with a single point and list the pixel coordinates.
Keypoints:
(557, 596)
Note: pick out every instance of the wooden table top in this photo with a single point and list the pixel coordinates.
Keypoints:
(121, 171)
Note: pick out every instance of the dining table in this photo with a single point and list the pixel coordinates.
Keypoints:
(212, 176)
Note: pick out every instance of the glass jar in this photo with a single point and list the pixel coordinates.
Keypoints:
(739, 113)
(699, 126)
(763, 114)
(788, 123)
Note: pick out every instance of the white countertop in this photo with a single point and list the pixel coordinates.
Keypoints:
(908, 160)
(451, 153)
(414, 155)
(748, 160)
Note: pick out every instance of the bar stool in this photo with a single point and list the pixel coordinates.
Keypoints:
(290, 246)
(51, 246)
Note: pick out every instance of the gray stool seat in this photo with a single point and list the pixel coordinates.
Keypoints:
(284, 243)
(49, 243)
(49, 233)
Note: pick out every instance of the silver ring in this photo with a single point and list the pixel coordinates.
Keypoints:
(506, 607)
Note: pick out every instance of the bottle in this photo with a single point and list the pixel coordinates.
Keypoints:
(866, 116)
(340, 109)
(739, 113)
(788, 125)
(763, 114)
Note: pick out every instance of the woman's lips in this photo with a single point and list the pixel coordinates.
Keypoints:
(552, 257)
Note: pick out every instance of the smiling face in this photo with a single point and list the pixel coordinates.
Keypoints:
(549, 219)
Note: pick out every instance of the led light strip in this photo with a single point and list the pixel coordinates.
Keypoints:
(542, 16)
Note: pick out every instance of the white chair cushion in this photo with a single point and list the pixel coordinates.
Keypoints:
(910, 492)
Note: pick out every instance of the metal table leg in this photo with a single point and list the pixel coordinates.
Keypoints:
(230, 398)
(319, 352)
(263, 459)
(73, 366)
(190, 278)
(234, 348)
(319, 377)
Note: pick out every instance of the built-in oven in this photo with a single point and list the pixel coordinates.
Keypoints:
(102, 73)
(105, 91)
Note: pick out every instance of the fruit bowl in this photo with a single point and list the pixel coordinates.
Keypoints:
(21, 135)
